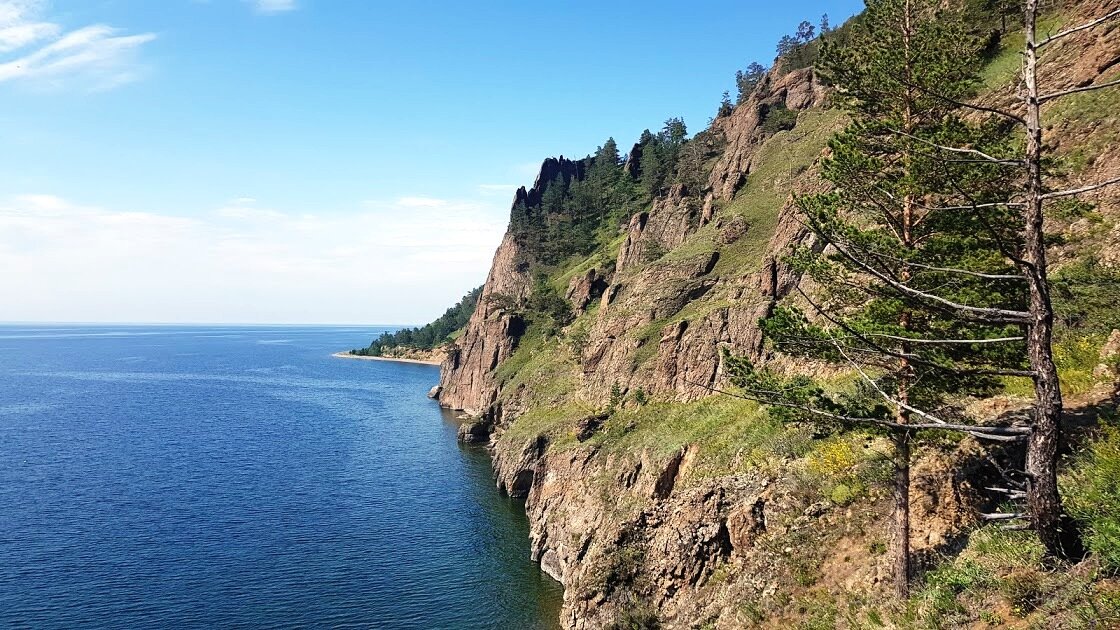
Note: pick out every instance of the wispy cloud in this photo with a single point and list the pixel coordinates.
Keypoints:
(389, 261)
(40, 52)
(269, 7)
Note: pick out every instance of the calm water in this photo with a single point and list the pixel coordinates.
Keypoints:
(235, 476)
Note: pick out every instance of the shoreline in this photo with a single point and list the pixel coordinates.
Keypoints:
(347, 355)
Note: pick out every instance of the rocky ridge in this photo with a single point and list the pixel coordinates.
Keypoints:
(647, 531)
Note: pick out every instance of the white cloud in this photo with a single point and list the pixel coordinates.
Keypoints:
(273, 6)
(94, 57)
(389, 262)
(20, 35)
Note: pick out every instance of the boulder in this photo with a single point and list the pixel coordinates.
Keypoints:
(583, 289)
(588, 426)
(474, 432)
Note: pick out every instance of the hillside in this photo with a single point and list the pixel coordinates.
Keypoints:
(594, 366)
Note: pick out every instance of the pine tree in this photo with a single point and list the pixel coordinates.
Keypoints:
(786, 45)
(725, 106)
(1023, 196)
(901, 256)
(653, 167)
(805, 32)
(747, 81)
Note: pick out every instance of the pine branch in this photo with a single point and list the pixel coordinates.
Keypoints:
(1071, 31)
(1003, 248)
(951, 101)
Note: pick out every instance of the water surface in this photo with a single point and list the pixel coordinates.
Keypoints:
(240, 476)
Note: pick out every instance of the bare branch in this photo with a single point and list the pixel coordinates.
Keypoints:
(1000, 516)
(898, 403)
(942, 147)
(975, 274)
(999, 434)
(998, 315)
(997, 204)
(1078, 191)
(1071, 31)
(1011, 494)
(1088, 88)
(914, 358)
(948, 341)
(979, 432)
(979, 108)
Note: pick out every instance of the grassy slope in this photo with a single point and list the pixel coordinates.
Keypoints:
(998, 579)
(548, 370)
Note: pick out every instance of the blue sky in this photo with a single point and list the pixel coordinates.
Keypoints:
(318, 161)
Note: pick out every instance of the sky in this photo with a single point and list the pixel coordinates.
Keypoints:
(319, 161)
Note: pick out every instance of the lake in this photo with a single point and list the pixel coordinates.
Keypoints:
(156, 476)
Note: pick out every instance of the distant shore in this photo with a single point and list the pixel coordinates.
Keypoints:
(347, 355)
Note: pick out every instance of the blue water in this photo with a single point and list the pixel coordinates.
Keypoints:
(236, 476)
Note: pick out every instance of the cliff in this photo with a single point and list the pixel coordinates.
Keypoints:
(655, 501)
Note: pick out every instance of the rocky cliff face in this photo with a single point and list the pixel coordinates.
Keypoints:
(492, 334)
(654, 278)
(665, 527)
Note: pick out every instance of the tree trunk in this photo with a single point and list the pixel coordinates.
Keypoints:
(902, 416)
(901, 541)
(1043, 500)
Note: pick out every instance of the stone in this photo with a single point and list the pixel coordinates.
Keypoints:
(733, 231)
(474, 432)
(589, 426)
(584, 289)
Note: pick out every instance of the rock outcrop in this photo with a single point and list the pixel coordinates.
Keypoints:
(652, 234)
(586, 288)
(798, 90)
(629, 532)
(467, 378)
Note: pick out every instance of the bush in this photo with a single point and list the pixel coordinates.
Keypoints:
(1085, 296)
(1092, 491)
(778, 118)
(1022, 589)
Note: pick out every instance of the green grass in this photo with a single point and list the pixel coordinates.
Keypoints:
(1093, 111)
(732, 434)
(779, 162)
(1093, 496)
(1005, 66)
(1011, 567)
(1077, 356)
